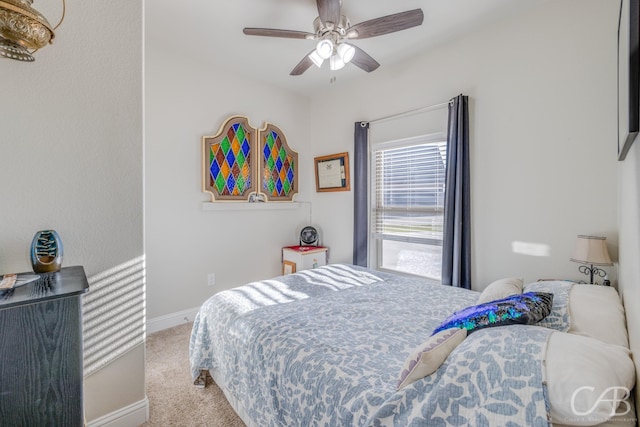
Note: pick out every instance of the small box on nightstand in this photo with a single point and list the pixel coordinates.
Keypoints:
(297, 258)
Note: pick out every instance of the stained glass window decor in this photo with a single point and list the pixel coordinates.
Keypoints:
(240, 163)
(278, 165)
(228, 161)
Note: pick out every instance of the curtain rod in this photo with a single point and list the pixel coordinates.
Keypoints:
(406, 113)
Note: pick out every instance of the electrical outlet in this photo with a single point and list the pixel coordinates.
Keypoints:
(211, 279)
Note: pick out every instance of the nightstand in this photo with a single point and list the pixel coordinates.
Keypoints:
(297, 258)
(41, 351)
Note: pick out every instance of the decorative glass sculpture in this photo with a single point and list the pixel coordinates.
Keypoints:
(46, 252)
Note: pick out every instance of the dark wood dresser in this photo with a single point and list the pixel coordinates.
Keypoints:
(41, 351)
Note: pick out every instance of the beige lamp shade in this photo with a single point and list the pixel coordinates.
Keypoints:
(591, 250)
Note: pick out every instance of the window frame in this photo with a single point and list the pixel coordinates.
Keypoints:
(374, 243)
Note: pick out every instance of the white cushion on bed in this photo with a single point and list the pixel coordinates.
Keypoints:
(500, 289)
(591, 310)
(575, 361)
(427, 357)
(596, 311)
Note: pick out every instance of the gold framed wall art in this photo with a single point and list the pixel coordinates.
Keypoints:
(332, 172)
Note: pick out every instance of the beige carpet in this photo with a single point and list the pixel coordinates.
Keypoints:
(173, 400)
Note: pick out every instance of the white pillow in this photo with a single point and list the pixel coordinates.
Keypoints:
(501, 288)
(582, 375)
(427, 357)
(596, 311)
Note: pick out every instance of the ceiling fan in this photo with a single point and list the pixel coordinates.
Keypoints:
(333, 30)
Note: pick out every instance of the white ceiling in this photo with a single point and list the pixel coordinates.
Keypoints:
(212, 31)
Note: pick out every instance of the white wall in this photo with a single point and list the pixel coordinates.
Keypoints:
(629, 232)
(629, 280)
(71, 153)
(542, 91)
(186, 99)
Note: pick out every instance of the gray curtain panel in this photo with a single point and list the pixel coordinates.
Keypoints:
(456, 245)
(361, 203)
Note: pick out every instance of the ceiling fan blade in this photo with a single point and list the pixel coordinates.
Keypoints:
(386, 24)
(362, 60)
(302, 65)
(272, 32)
(329, 11)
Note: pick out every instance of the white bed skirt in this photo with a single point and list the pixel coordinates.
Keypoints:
(233, 401)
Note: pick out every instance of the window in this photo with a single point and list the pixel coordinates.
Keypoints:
(407, 204)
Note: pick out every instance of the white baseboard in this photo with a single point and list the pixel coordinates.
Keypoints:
(129, 416)
(170, 320)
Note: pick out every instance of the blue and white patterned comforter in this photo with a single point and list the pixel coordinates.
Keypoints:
(325, 347)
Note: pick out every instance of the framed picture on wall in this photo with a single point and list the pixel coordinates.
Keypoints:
(288, 267)
(332, 172)
(628, 76)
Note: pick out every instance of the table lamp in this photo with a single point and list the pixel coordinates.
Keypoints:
(591, 251)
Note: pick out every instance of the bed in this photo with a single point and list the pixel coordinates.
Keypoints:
(338, 346)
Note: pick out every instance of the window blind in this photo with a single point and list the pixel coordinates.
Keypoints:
(409, 192)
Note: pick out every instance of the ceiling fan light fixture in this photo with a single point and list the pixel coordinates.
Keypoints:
(316, 58)
(336, 63)
(346, 52)
(324, 48)
(330, 29)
